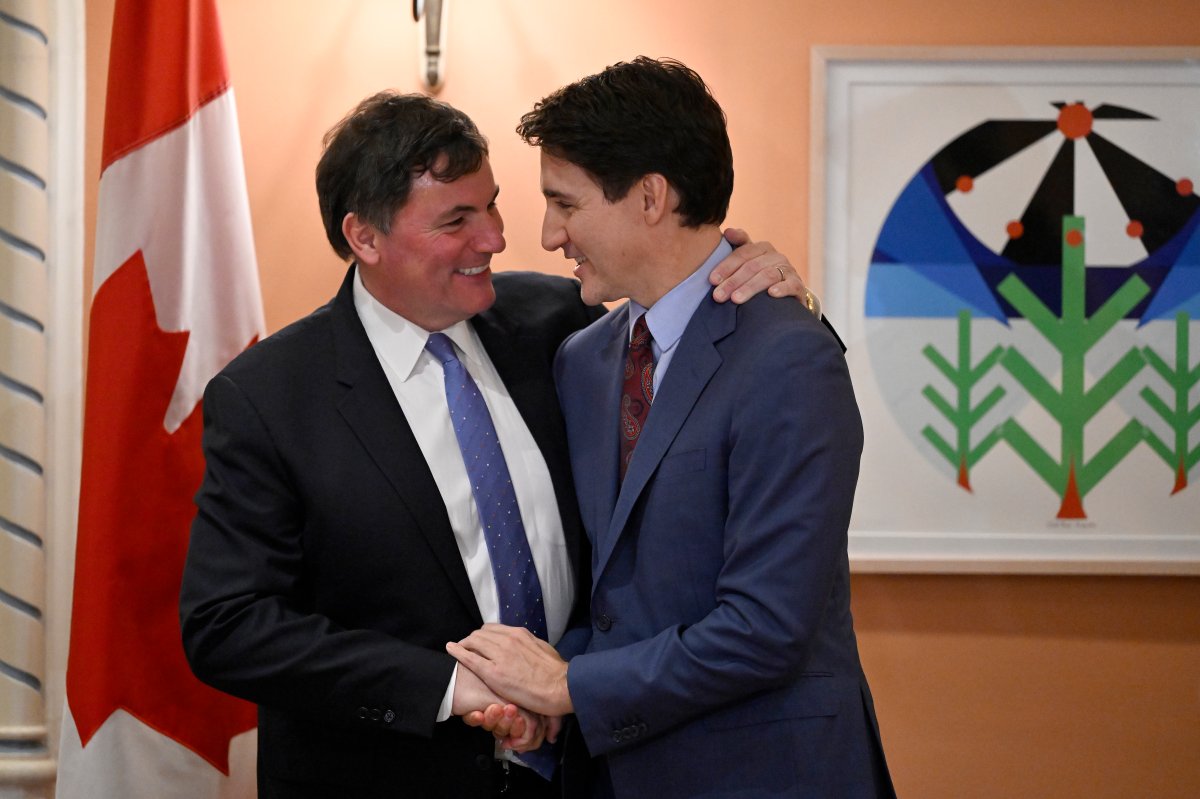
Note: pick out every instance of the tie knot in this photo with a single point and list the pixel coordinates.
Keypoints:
(441, 347)
(641, 334)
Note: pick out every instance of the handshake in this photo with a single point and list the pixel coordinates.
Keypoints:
(512, 684)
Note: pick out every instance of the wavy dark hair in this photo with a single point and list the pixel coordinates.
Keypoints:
(637, 117)
(372, 156)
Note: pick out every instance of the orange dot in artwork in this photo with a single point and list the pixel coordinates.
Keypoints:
(1134, 229)
(964, 183)
(1184, 186)
(1074, 237)
(1015, 229)
(1075, 121)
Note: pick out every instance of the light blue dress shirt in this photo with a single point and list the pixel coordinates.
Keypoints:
(669, 317)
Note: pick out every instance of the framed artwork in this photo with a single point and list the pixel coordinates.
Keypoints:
(1008, 240)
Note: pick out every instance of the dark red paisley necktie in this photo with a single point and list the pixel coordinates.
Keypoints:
(638, 390)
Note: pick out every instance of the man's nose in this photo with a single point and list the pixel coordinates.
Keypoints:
(554, 235)
(491, 236)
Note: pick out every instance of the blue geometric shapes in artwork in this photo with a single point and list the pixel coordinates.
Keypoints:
(919, 230)
(928, 290)
(1180, 291)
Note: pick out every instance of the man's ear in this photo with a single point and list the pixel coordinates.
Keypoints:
(361, 235)
(658, 198)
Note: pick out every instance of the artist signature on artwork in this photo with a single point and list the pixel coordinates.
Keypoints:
(1070, 524)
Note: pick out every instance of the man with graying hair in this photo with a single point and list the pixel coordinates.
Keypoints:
(345, 530)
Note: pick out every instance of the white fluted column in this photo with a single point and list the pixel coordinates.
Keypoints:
(25, 148)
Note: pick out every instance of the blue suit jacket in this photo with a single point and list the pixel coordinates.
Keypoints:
(722, 660)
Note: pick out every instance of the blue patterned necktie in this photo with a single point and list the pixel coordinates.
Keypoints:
(517, 584)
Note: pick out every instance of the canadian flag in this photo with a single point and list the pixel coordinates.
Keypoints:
(176, 296)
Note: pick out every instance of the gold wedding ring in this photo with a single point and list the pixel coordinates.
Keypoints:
(809, 299)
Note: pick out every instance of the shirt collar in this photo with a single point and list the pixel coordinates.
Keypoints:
(669, 317)
(400, 342)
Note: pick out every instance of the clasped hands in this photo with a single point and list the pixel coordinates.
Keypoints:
(512, 684)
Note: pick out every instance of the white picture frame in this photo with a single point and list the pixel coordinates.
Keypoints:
(879, 118)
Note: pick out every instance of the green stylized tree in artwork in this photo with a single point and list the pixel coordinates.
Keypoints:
(1177, 415)
(1072, 334)
(963, 377)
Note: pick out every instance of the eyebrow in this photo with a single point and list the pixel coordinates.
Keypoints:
(464, 208)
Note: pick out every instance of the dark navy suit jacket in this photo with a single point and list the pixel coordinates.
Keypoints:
(323, 579)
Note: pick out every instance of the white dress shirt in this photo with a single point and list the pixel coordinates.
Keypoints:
(417, 380)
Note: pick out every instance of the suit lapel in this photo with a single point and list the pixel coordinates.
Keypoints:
(692, 367)
(602, 424)
(370, 409)
(517, 361)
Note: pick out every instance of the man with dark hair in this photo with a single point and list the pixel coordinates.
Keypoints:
(345, 529)
(722, 660)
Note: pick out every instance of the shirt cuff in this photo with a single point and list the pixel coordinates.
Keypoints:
(448, 699)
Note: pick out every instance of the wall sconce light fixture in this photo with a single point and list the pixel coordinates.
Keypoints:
(431, 38)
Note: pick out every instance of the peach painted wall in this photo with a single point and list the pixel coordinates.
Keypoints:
(987, 686)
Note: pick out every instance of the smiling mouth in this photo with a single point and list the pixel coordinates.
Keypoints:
(477, 270)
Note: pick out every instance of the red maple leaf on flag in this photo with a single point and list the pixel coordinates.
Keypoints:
(135, 513)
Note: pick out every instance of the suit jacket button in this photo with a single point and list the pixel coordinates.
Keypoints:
(483, 762)
(362, 712)
(389, 716)
(603, 623)
(376, 714)
(618, 737)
